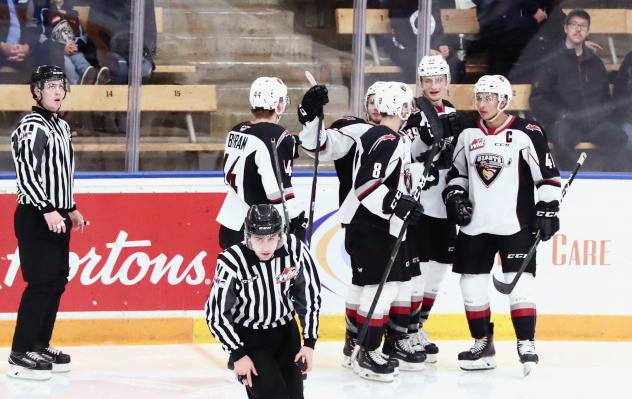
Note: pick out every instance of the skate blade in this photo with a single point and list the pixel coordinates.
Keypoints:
(431, 358)
(27, 374)
(369, 375)
(61, 368)
(528, 368)
(407, 366)
(484, 363)
(347, 363)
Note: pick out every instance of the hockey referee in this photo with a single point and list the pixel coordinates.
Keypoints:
(46, 211)
(259, 285)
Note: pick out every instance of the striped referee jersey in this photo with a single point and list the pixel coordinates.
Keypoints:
(263, 294)
(44, 161)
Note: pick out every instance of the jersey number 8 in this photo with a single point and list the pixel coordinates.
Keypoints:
(377, 168)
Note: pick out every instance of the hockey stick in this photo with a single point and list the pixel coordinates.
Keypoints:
(312, 199)
(434, 149)
(277, 172)
(506, 288)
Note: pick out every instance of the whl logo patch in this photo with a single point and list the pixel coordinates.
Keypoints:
(488, 167)
(289, 273)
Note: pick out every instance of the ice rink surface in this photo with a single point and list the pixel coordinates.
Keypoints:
(595, 370)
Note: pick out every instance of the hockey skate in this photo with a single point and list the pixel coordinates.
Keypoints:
(399, 347)
(372, 365)
(481, 355)
(415, 342)
(528, 357)
(347, 351)
(429, 347)
(347, 362)
(29, 366)
(59, 359)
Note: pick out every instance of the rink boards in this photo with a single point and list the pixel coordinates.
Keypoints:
(142, 271)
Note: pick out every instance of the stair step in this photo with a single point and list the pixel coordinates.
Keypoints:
(229, 21)
(200, 46)
(247, 69)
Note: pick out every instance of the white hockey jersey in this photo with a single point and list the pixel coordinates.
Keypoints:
(339, 144)
(501, 169)
(418, 131)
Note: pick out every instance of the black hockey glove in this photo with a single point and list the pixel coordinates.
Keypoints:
(546, 219)
(433, 177)
(447, 153)
(457, 205)
(403, 206)
(312, 104)
(298, 226)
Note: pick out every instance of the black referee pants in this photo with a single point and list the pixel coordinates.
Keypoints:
(44, 261)
(272, 351)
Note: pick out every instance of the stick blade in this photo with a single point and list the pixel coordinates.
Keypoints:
(310, 78)
(502, 287)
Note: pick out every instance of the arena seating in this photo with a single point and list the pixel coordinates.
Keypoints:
(114, 98)
(159, 12)
(603, 21)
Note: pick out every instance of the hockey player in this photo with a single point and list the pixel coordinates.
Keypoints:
(431, 241)
(374, 212)
(490, 193)
(259, 286)
(249, 164)
(340, 143)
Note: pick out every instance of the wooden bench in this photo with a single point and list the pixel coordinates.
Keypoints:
(113, 98)
(455, 21)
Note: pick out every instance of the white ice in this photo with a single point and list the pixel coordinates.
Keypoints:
(595, 370)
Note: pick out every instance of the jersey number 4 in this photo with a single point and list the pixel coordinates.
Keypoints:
(549, 161)
(230, 177)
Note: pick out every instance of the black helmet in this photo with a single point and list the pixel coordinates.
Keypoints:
(43, 73)
(262, 220)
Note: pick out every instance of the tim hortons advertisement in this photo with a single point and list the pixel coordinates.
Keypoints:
(141, 252)
(152, 246)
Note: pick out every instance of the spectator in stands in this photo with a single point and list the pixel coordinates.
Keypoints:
(623, 96)
(19, 45)
(506, 26)
(571, 98)
(109, 24)
(402, 46)
(550, 34)
(60, 22)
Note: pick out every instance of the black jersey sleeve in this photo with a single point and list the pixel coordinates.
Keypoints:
(379, 169)
(544, 172)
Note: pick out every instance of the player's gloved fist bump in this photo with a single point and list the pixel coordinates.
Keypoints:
(312, 104)
(458, 205)
(403, 206)
(546, 219)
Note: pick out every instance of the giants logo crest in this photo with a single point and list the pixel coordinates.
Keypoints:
(488, 167)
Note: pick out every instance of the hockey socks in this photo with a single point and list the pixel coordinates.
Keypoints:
(522, 303)
(434, 273)
(476, 299)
